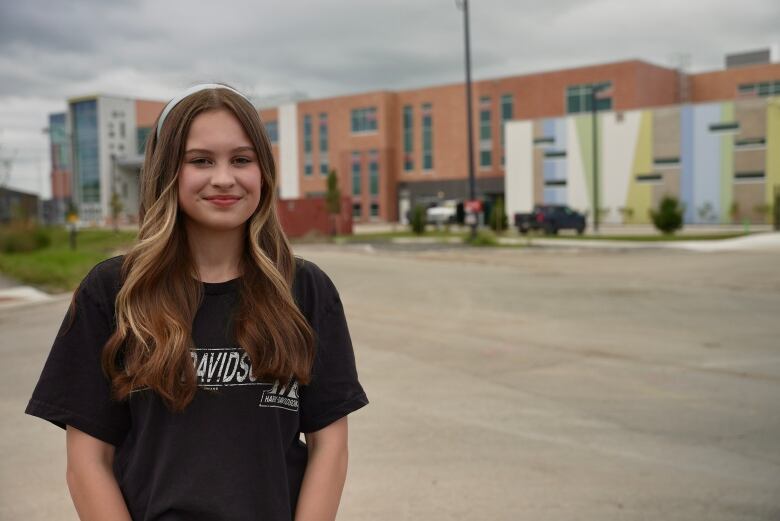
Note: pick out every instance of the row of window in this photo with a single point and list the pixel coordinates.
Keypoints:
(426, 113)
(764, 88)
(357, 210)
(579, 98)
(373, 172)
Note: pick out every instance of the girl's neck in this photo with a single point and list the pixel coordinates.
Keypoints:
(216, 253)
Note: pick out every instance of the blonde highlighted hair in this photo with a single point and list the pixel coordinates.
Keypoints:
(161, 293)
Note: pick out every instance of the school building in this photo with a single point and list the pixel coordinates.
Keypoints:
(712, 139)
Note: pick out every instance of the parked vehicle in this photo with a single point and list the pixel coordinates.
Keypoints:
(442, 214)
(550, 218)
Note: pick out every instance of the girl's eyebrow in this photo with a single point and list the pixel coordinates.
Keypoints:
(235, 150)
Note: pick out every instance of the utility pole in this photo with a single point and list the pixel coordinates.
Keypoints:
(463, 5)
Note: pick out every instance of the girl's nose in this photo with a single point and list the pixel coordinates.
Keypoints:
(222, 175)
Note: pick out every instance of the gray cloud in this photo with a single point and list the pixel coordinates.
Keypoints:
(54, 49)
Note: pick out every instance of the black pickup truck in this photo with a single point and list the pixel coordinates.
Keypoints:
(550, 218)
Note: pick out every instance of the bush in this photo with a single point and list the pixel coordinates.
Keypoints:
(418, 219)
(483, 238)
(498, 218)
(776, 209)
(669, 217)
(15, 240)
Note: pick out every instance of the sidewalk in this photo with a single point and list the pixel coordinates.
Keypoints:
(13, 293)
(766, 241)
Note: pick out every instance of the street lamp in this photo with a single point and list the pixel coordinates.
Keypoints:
(463, 5)
(597, 92)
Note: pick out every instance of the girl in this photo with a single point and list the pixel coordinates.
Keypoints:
(185, 370)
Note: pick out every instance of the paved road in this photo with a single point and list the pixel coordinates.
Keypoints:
(515, 384)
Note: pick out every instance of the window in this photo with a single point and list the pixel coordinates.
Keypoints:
(373, 172)
(507, 113)
(356, 173)
(272, 128)
(307, 133)
(142, 134)
(364, 120)
(485, 158)
(374, 209)
(578, 97)
(649, 178)
(764, 88)
(307, 160)
(356, 213)
(427, 136)
(323, 132)
(324, 164)
(727, 126)
(666, 162)
(408, 139)
(85, 147)
(756, 142)
(485, 132)
(749, 177)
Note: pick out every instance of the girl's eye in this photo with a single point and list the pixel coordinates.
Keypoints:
(199, 161)
(243, 160)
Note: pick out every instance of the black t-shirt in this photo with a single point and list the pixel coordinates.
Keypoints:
(235, 451)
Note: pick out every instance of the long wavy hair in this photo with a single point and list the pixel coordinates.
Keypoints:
(161, 293)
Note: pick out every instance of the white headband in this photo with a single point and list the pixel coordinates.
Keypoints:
(192, 90)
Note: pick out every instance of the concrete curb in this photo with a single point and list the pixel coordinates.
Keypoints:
(18, 296)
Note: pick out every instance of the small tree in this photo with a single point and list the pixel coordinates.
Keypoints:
(764, 210)
(333, 199)
(734, 211)
(498, 218)
(627, 212)
(776, 208)
(417, 221)
(669, 216)
(116, 209)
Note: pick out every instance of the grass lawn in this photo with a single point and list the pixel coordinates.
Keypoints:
(442, 234)
(645, 238)
(57, 267)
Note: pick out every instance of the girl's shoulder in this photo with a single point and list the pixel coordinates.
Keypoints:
(104, 280)
(312, 287)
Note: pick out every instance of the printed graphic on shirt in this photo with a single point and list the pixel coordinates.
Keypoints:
(232, 367)
(278, 396)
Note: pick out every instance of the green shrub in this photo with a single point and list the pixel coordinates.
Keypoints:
(418, 219)
(483, 238)
(669, 217)
(498, 219)
(19, 239)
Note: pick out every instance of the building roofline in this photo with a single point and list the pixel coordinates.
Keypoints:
(95, 96)
(736, 68)
(634, 61)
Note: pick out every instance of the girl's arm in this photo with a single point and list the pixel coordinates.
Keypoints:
(91, 480)
(325, 473)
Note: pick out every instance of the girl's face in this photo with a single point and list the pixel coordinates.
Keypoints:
(219, 178)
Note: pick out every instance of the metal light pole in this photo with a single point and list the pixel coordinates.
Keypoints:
(463, 5)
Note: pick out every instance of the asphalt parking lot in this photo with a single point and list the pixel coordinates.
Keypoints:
(512, 384)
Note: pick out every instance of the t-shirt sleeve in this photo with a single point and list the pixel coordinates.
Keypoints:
(334, 390)
(72, 389)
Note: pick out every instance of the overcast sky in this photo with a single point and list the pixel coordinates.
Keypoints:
(54, 49)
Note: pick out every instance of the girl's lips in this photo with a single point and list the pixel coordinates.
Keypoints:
(222, 201)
